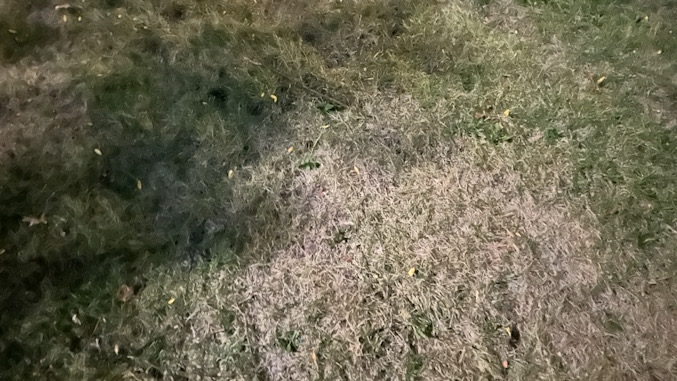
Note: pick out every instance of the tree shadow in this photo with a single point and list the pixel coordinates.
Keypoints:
(25, 28)
(132, 175)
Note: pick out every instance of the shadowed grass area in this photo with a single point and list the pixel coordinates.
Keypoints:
(130, 167)
(383, 189)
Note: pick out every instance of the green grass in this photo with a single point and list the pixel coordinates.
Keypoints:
(264, 176)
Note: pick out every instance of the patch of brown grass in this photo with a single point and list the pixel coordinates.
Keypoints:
(489, 252)
(486, 256)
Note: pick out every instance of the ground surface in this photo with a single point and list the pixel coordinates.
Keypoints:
(338, 190)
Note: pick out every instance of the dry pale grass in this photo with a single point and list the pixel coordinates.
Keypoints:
(489, 251)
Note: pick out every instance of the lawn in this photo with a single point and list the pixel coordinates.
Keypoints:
(338, 190)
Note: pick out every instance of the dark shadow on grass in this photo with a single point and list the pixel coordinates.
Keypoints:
(137, 179)
(25, 28)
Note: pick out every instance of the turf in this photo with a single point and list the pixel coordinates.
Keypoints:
(329, 190)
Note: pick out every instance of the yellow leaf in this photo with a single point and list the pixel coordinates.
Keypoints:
(273, 97)
(231, 173)
(290, 149)
(325, 126)
(356, 170)
(518, 234)
(601, 80)
(171, 301)
(263, 95)
(507, 329)
(412, 271)
(139, 186)
(506, 112)
(98, 151)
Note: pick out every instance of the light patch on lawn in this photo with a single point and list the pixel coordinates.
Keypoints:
(492, 247)
(338, 301)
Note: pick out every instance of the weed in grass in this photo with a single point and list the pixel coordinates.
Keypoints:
(422, 325)
(289, 341)
(415, 364)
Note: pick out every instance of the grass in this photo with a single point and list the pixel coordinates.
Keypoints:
(338, 190)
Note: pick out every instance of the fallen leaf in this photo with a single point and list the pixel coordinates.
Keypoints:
(35, 220)
(263, 95)
(273, 97)
(139, 186)
(171, 301)
(506, 113)
(601, 80)
(518, 234)
(231, 173)
(659, 52)
(507, 329)
(97, 151)
(313, 357)
(64, 18)
(116, 349)
(290, 149)
(356, 170)
(75, 319)
(412, 271)
(125, 293)
(325, 126)
(79, 18)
